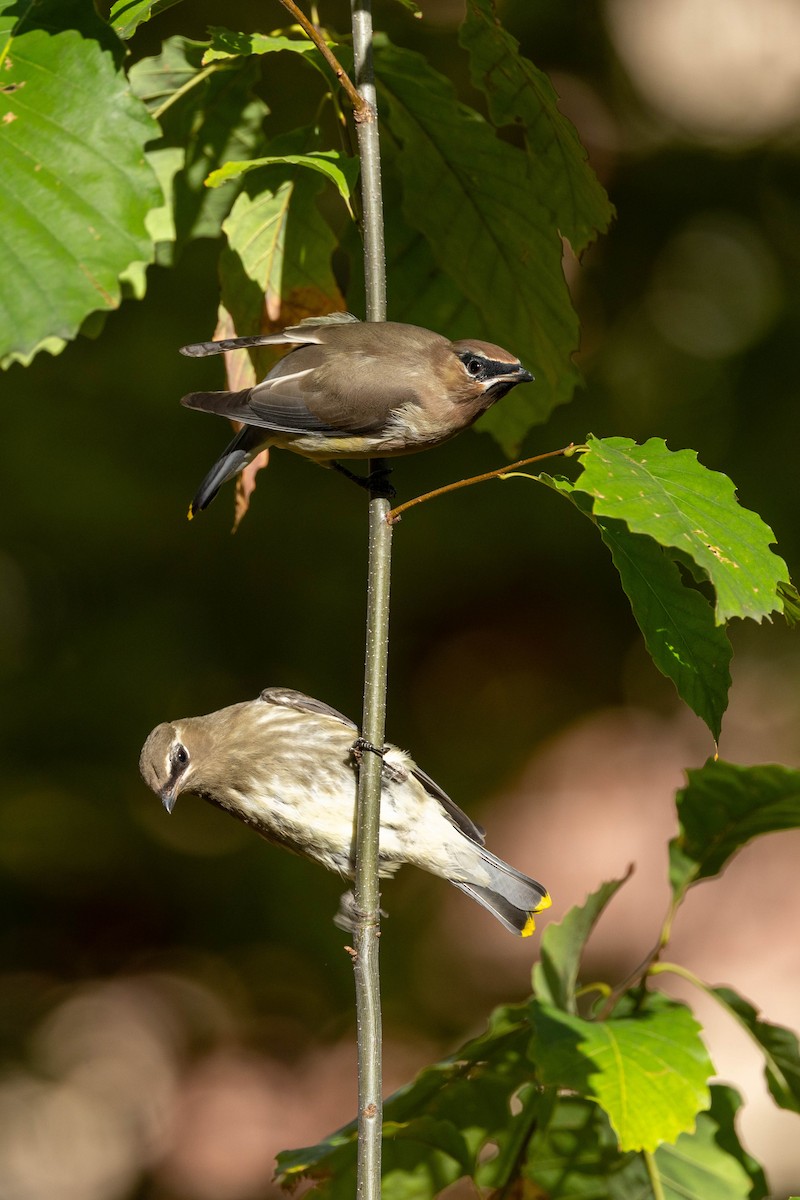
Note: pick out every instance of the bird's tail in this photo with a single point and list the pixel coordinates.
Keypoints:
(509, 895)
(235, 456)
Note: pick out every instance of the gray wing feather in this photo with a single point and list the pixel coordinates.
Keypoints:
(300, 334)
(459, 818)
(289, 698)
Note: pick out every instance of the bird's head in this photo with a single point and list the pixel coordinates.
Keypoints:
(166, 763)
(489, 368)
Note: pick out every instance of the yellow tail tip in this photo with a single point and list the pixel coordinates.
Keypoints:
(530, 925)
(190, 514)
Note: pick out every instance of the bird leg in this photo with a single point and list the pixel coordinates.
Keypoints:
(361, 746)
(348, 916)
(376, 482)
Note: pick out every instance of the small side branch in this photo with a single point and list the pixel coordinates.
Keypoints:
(501, 472)
(360, 105)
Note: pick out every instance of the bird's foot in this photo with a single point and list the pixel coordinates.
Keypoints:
(376, 483)
(361, 746)
(350, 917)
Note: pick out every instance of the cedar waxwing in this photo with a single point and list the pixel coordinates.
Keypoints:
(287, 766)
(353, 389)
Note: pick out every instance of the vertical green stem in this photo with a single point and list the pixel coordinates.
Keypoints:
(367, 893)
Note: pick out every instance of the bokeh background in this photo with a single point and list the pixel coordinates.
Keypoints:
(175, 1003)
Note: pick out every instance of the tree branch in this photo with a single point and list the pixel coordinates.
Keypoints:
(367, 893)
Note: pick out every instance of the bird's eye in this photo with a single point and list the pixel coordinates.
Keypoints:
(180, 756)
(474, 366)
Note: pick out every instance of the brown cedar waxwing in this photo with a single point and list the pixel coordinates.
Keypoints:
(353, 389)
(287, 766)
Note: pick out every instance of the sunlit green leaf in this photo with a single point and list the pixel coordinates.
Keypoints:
(648, 1071)
(672, 498)
(76, 187)
(676, 620)
(575, 1157)
(724, 806)
(339, 169)
(520, 94)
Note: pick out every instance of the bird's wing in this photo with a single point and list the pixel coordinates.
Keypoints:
(302, 395)
(288, 698)
(286, 412)
(307, 332)
(459, 818)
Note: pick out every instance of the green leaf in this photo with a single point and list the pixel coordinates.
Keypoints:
(576, 1158)
(227, 43)
(520, 94)
(278, 260)
(778, 1044)
(340, 169)
(676, 621)
(649, 1071)
(677, 502)
(471, 196)
(76, 187)
(127, 15)
(711, 1163)
(724, 806)
(555, 975)
(436, 1127)
(207, 116)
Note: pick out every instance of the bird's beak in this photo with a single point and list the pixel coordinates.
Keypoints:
(524, 376)
(168, 796)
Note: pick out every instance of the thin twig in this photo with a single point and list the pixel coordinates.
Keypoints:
(396, 513)
(367, 892)
(360, 104)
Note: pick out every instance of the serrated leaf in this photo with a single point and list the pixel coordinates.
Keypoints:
(724, 806)
(207, 116)
(470, 195)
(676, 621)
(576, 1158)
(76, 187)
(672, 498)
(778, 1044)
(127, 15)
(649, 1072)
(340, 169)
(520, 94)
(556, 973)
